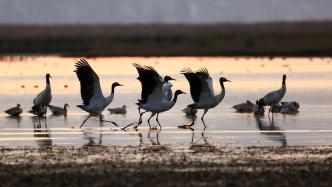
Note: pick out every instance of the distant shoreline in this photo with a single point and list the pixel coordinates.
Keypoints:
(289, 39)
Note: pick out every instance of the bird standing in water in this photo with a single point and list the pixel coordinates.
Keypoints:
(43, 99)
(274, 97)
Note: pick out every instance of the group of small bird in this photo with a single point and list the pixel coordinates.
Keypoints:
(156, 95)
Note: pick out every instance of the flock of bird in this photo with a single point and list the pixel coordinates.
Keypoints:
(156, 96)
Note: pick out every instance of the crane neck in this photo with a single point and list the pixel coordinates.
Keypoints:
(175, 97)
(220, 96)
(48, 81)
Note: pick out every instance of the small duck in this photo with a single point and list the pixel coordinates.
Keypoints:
(276, 108)
(187, 111)
(290, 107)
(119, 110)
(14, 111)
(58, 111)
(248, 106)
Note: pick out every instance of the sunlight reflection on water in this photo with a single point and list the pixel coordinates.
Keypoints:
(309, 82)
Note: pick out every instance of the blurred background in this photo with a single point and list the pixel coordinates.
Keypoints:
(159, 11)
(175, 27)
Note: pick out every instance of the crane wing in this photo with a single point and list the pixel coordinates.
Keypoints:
(89, 80)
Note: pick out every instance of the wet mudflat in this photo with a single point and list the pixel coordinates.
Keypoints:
(182, 165)
(235, 149)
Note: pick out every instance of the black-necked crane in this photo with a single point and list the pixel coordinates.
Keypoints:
(94, 102)
(202, 93)
(14, 111)
(43, 99)
(156, 95)
(274, 97)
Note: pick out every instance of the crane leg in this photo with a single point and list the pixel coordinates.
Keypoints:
(202, 118)
(158, 120)
(188, 126)
(150, 118)
(140, 117)
(192, 117)
(115, 124)
(85, 120)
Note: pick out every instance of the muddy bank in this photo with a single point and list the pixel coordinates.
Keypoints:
(184, 165)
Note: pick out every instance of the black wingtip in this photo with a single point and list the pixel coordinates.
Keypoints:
(203, 70)
(186, 70)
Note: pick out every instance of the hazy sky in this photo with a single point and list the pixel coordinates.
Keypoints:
(169, 11)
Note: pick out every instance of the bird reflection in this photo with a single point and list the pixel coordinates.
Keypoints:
(42, 136)
(202, 137)
(275, 136)
(13, 120)
(154, 140)
(37, 120)
(92, 139)
(189, 118)
(205, 146)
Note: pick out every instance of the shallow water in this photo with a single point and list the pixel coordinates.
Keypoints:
(309, 82)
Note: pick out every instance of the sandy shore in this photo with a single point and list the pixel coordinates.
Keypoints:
(183, 165)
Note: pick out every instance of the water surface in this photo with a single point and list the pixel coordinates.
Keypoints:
(309, 82)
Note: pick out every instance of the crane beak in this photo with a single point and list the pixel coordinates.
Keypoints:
(227, 80)
(121, 85)
(173, 79)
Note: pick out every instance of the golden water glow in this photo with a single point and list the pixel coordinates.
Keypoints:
(29, 72)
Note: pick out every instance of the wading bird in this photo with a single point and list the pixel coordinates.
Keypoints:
(156, 107)
(43, 99)
(273, 97)
(201, 90)
(156, 95)
(14, 111)
(94, 101)
(58, 111)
